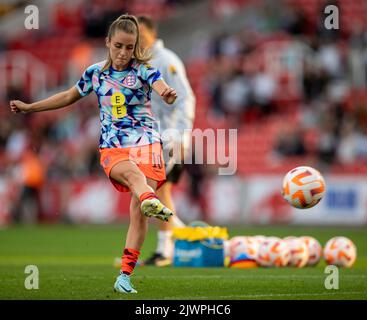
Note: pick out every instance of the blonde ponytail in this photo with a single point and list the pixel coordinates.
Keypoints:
(128, 24)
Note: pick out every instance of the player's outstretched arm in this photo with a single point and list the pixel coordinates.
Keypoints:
(167, 93)
(56, 101)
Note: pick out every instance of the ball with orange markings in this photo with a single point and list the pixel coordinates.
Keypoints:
(259, 238)
(340, 251)
(243, 245)
(303, 187)
(273, 252)
(299, 252)
(314, 250)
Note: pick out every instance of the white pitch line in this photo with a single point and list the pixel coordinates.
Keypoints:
(183, 277)
(246, 276)
(271, 295)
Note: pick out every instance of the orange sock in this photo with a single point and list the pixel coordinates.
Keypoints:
(147, 195)
(129, 259)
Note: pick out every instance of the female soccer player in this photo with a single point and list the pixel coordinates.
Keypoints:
(130, 146)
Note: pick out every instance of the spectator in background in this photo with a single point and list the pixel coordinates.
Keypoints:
(329, 59)
(263, 88)
(235, 97)
(362, 145)
(216, 97)
(93, 15)
(290, 142)
(328, 142)
(197, 174)
(314, 82)
(221, 73)
(98, 14)
(31, 179)
(5, 131)
(359, 110)
(347, 151)
(294, 20)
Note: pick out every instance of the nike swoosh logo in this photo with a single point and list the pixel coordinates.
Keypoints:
(120, 285)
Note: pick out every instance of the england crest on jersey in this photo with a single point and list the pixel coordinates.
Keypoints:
(129, 80)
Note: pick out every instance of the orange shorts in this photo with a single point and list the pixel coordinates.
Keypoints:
(148, 158)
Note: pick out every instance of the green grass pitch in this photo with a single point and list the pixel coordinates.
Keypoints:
(76, 262)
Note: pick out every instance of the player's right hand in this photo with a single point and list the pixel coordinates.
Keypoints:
(169, 95)
(17, 106)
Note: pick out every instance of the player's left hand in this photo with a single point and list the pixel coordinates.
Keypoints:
(169, 95)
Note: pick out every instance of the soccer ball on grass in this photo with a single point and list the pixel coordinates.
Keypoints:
(340, 251)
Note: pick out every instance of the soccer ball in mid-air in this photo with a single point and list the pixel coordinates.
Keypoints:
(340, 251)
(299, 252)
(303, 187)
(273, 252)
(314, 250)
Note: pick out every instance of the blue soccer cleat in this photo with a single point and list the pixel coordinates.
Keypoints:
(123, 284)
(155, 208)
